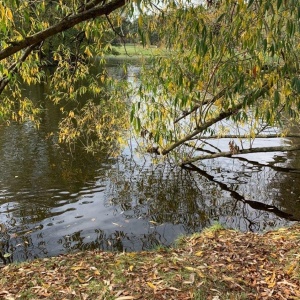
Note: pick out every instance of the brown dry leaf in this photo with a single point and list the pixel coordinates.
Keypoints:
(80, 279)
(229, 279)
(173, 288)
(192, 279)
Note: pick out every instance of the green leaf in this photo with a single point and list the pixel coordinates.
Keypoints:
(250, 3)
(276, 98)
(279, 2)
(296, 84)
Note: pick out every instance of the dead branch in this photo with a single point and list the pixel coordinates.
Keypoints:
(271, 166)
(245, 136)
(244, 151)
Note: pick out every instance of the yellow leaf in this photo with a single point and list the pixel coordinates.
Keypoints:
(199, 253)
(80, 280)
(271, 280)
(88, 52)
(76, 268)
(131, 268)
(9, 14)
(200, 274)
(272, 284)
(291, 268)
(190, 269)
(151, 285)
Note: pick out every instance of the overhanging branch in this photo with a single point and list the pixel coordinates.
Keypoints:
(249, 99)
(63, 25)
(14, 67)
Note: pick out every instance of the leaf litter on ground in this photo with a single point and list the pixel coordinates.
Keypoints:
(214, 264)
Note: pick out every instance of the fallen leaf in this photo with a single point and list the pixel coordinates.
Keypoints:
(80, 279)
(76, 268)
(151, 285)
(173, 288)
(291, 268)
(192, 279)
(153, 222)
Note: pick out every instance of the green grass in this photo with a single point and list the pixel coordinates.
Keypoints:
(134, 50)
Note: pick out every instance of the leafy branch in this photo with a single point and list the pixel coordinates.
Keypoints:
(248, 100)
(63, 25)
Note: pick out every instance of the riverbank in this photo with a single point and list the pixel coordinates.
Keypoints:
(215, 264)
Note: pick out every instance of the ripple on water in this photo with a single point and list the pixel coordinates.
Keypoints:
(64, 193)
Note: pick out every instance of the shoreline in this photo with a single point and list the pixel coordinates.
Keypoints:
(214, 264)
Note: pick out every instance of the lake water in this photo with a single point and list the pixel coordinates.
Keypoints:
(53, 203)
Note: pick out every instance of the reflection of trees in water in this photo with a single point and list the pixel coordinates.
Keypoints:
(286, 182)
(38, 182)
(21, 248)
(255, 208)
(238, 196)
(115, 241)
(159, 193)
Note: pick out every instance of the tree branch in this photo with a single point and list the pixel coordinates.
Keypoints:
(14, 67)
(245, 136)
(63, 25)
(208, 101)
(249, 99)
(244, 151)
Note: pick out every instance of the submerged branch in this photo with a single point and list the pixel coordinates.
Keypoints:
(271, 166)
(254, 204)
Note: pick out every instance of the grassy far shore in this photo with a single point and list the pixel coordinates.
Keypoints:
(215, 264)
(134, 51)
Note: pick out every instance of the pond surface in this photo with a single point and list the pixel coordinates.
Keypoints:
(52, 203)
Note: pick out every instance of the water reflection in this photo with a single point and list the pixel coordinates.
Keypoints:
(52, 202)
